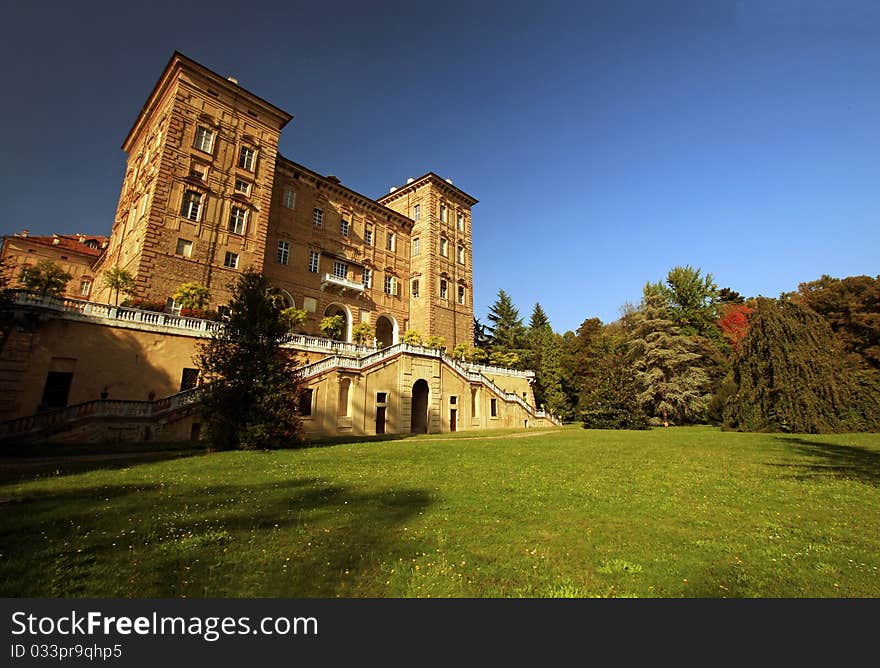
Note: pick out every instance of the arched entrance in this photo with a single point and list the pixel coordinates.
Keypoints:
(386, 331)
(419, 420)
(340, 310)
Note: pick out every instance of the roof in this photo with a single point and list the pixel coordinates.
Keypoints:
(66, 242)
(430, 176)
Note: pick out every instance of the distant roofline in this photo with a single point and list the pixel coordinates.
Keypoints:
(419, 181)
(178, 59)
(334, 184)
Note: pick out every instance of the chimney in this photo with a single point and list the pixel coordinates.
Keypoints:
(81, 237)
(409, 180)
(393, 188)
(24, 233)
(449, 181)
(55, 239)
(104, 243)
(233, 80)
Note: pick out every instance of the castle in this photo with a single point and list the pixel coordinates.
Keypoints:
(206, 195)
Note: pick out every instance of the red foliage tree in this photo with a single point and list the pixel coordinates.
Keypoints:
(734, 322)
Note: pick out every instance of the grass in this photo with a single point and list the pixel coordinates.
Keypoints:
(680, 512)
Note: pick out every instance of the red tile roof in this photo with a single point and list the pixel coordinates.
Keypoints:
(68, 242)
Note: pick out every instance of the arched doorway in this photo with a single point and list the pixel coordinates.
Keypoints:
(419, 420)
(386, 331)
(340, 310)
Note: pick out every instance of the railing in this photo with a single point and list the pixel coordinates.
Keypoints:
(315, 342)
(342, 282)
(97, 408)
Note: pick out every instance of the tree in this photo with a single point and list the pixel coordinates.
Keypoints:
(734, 322)
(362, 333)
(45, 277)
(481, 335)
(332, 326)
(192, 295)
(119, 280)
(251, 392)
(791, 374)
(544, 357)
(674, 386)
(692, 300)
(610, 396)
(539, 320)
(461, 351)
(506, 331)
(294, 318)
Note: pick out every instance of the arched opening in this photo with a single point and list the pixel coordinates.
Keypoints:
(419, 420)
(344, 333)
(386, 331)
(281, 297)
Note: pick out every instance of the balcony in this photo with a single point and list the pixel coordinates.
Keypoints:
(343, 283)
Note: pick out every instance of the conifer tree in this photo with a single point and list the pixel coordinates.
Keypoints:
(506, 330)
(674, 386)
(610, 396)
(251, 390)
(790, 374)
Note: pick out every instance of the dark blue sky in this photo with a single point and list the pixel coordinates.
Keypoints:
(606, 141)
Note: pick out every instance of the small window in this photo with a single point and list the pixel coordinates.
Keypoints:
(340, 270)
(289, 198)
(305, 402)
(343, 227)
(381, 397)
(453, 400)
(318, 217)
(283, 252)
(493, 407)
(313, 261)
(192, 204)
(390, 285)
(189, 379)
(242, 187)
(368, 235)
(461, 294)
(231, 260)
(459, 254)
(415, 288)
(184, 248)
(443, 213)
(368, 278)
(85, 287)
(237, 220)
(391, 242)
(444, 247)
(415, 246)
(459, 221)
(204, 139)
(443, 288)
(247, 158)
(417, 212)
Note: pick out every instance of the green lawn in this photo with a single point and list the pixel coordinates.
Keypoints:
(677, 512)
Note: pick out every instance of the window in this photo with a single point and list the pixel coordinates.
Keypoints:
(391, 285)
(199, 171)
(189, 379)
(415, 246)
(283, 252)
(204, 139)
(415, 288)
(381, 397)
(184, 248)
(443, 289)
(313, 261)
(231, 260)
(242, 187)
(459, 218)
(318, 217)
(246, 158)
(493, 407)
(340, 270)
(391, 242)
(343, 227)
(289, 198)
(368, 235)
(368, 278)
(85, 287)
(417, 212)
(237, 220)
(461, 294)
(192, 204)
(444, 247)
(443, 214)
(305, 402)
(460, 254)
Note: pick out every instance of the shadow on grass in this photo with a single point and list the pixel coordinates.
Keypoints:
(288, 538)
(839, 461)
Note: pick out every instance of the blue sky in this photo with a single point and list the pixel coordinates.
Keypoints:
(606, 141)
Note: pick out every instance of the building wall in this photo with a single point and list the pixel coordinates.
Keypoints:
(21, 251)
